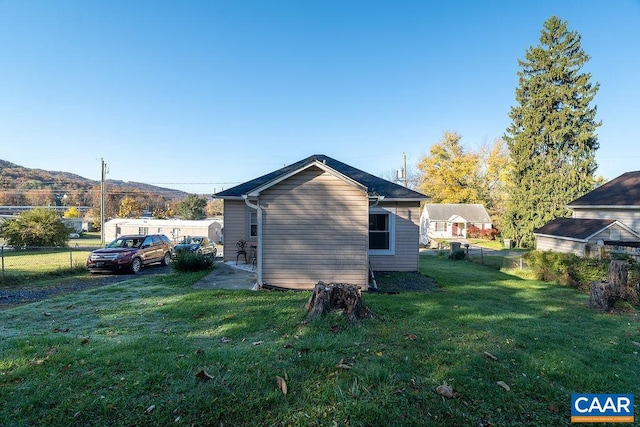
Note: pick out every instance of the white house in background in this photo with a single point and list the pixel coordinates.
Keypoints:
(174, 229)
(451, 220)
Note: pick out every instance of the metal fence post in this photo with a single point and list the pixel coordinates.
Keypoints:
(70, 258)
(2, 255)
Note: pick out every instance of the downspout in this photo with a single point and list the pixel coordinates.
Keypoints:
(374, 285)
(258, 209)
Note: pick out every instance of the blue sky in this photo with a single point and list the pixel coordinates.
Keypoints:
(202, 95)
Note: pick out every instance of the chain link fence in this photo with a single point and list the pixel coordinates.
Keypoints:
(31, 262)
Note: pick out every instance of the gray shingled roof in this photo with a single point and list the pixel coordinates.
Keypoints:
(373, 183)
(621, 191)
(574, 228)
(469, 211)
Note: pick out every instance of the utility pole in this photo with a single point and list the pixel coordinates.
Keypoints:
(103, 172)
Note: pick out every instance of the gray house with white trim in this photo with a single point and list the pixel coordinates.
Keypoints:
(322, 220)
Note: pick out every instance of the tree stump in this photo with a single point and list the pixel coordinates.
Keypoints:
(604, 295)
(343, 297)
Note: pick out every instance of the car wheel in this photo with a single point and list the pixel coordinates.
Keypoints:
(135, 266)
(166, 259)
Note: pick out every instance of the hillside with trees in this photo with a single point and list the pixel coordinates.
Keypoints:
(21, 186)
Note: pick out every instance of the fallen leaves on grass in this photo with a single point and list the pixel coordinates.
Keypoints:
(204, 375)
(411, 337)
(445, 390)
(150, 409)
(226, 340)
(344, 364)
(503, 385)
(257, 342)
(490, 356)
(61, 330)
(282, 384)
(84, 340)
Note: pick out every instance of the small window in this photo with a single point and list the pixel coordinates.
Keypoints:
(143, 230)
(381, 232)
(378, 231)
(253, 224)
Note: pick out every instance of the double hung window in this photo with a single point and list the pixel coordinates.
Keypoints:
(381, 231)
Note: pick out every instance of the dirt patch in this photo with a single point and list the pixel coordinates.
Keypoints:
(397, 281)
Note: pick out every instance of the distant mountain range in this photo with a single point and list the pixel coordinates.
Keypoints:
(18, 178)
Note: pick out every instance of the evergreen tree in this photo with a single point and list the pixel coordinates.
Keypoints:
(193, 207)
(551, 139)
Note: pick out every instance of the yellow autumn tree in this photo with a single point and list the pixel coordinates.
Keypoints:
(214, 207)
(72, 212)
(450, 174)
(129, 208)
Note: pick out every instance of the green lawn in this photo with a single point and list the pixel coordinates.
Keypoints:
(43, 261)
(36, 268)
(129, 354)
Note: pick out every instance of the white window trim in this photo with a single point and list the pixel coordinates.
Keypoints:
(248, 234)
(392, 231)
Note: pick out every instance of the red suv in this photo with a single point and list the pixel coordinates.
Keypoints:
(131, 253)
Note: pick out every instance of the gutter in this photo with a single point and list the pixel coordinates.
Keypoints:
(375, 198)
(258, 209)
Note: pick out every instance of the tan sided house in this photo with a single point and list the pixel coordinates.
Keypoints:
(321, 220)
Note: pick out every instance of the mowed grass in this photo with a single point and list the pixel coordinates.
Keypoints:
(43, 261)
(130, 354)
